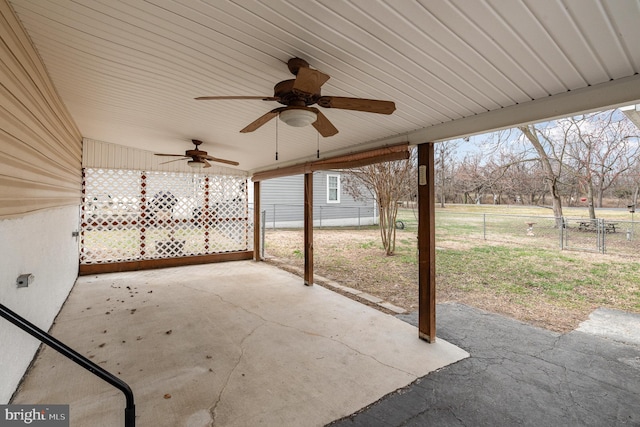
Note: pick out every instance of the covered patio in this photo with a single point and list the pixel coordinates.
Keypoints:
(233, 344)
(126, 75)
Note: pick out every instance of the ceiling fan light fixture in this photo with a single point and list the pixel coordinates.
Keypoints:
(298, 117)
(196, 164)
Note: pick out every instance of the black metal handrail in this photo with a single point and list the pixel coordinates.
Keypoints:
(60, 347)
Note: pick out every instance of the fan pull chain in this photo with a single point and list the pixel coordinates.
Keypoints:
(318, 145)
(276, 140)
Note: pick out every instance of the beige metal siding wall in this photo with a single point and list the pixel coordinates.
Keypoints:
(40, 145)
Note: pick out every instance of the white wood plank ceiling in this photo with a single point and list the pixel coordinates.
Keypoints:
(129, 70)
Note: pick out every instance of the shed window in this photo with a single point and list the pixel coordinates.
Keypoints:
(333, 188)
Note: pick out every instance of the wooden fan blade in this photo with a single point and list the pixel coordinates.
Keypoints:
(218, 160)
(213, 98)
(323, 125)
(171, 155)
(357, 104)
(206, 164)
(262, 120)
(308, 81)
(176, 160)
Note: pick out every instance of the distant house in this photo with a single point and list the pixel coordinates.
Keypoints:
(282, 200)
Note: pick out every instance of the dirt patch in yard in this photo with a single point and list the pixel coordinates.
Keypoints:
(351, 259)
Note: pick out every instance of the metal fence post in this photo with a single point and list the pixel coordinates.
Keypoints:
(274, 216)
(484, 226)
(601, 231)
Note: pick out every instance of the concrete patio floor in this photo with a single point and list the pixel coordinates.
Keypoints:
(230, 344)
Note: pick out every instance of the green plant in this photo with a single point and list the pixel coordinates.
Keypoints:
(369, 245)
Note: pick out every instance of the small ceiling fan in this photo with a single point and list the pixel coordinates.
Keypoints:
(198, 159)
(298, 94)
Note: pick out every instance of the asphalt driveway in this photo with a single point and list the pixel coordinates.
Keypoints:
(517, 375)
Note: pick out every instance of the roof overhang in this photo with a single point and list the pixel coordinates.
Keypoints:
(633, 113)
(129, 71)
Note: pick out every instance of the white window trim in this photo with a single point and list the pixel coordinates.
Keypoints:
(328, 188)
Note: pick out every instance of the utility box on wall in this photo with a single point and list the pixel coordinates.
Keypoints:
(24, 280)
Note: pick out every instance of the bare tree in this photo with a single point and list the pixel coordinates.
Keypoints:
(485, 172)
(470, 179)
(627, 187)
(520, 180)
(602, 147)
(444, 166)
(584, 155)
(550, 157)
(389, 183)
(478, 175)
(635, 178)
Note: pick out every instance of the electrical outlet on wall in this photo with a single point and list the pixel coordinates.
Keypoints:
(25, 280)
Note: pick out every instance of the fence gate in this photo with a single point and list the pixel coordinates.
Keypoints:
(589, 235)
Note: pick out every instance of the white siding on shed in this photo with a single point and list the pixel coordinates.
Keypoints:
(282, 200)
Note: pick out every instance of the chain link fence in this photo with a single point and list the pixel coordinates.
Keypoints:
(277, 216)
(621, 237)
(566, 233)
(583, 234)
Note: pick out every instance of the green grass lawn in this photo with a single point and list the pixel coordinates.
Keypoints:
(522, 278)
(565, 279)
(510, 224)
(485, 251)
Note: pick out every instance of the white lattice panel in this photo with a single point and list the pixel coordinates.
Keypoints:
(133, 215)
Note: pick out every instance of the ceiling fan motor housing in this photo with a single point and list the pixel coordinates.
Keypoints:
(290, 97)
(294, 64)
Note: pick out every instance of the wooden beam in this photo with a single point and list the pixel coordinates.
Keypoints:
(257, 244)
(426, 244)
(403, 155)
(354, 160)
(280, 172)
(363, 158)
(147, 264)
(308, 229)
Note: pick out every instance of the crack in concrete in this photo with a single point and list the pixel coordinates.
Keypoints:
(221, 298)
(213, 409)
(370, 357)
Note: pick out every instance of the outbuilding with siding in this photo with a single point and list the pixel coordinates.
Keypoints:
(283, 202)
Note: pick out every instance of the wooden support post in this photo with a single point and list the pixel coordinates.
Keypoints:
(426, 244)
(308, 229)
(257, 244)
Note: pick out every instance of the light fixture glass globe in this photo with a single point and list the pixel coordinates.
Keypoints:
(195, 164)
(298, 117)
